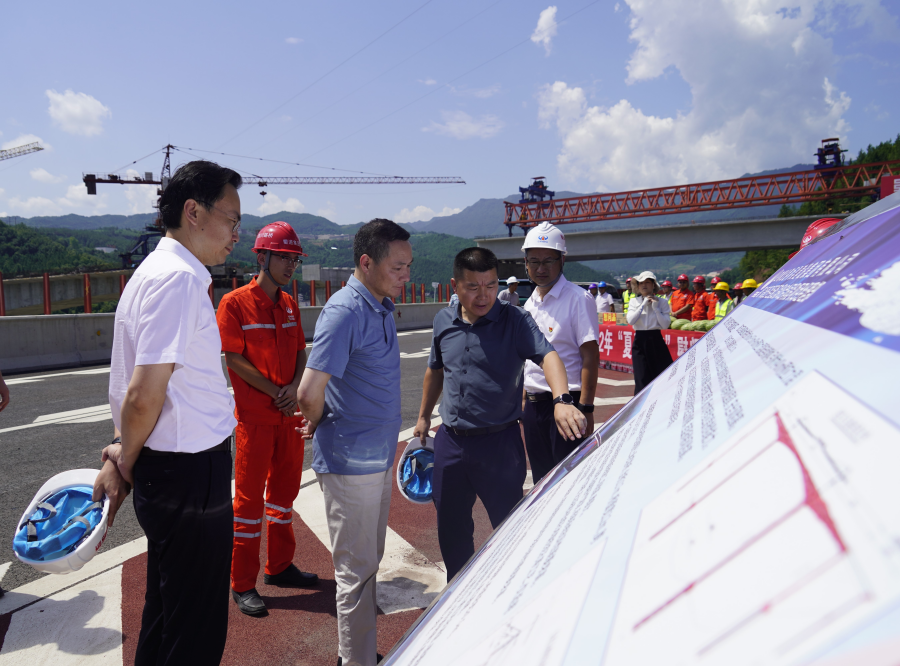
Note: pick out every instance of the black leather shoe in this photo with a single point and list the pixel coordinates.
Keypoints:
(292, 577)
(250, 602)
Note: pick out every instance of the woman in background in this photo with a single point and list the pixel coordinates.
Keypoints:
(648, 314)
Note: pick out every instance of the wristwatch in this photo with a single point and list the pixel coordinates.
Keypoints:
(564, 399)
(117, 440)
(585, 409)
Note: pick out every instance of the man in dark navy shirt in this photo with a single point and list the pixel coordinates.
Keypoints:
(478, 351)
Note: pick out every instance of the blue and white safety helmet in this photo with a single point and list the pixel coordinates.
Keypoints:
(415, 469)
(62, 528)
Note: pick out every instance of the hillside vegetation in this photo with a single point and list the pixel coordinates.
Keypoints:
(25, 251)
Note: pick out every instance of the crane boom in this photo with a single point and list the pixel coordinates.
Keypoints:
(264, 181)
(18, 151)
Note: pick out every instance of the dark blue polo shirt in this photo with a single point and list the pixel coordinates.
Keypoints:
(483, 364)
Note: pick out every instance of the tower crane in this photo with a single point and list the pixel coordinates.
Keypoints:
(18, 151)
(141, 248)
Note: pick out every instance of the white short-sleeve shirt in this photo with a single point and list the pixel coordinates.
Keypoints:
(567, 316)
(604, 303)
(165, 316)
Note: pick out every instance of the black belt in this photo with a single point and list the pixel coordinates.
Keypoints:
(224, 446)
(546, 395)
(473, 432)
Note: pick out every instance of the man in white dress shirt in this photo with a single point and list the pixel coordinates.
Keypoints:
(173, 419)
(567, 316)
(509, 294)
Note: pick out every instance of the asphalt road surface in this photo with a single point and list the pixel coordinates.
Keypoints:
(60, 420)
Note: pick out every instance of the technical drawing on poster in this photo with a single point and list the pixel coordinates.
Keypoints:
(774, 545)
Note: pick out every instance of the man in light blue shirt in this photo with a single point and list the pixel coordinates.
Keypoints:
(350, 398)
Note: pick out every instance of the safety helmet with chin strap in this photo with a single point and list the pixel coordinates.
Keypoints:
(277, 237)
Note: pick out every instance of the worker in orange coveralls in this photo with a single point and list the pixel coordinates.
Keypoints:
(265, 353)
(682, 300)
(702, 300)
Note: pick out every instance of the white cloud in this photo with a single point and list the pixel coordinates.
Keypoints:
(141, 198)
(427, 82)
(762, 97)
(23, 139)
(460, 125)
(273, 204)
(2, 191)
(77, 113)
(421, 213)
(480, 93)
(293, 40)
(329, 210)
(43, 176)
(76, 199)
(546, 28)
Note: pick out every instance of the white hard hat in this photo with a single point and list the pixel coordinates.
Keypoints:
(647, 275)
(545, 235)
(81, 552)
(512, 280)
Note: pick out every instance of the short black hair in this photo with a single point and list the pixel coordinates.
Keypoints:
(475, 259)
(374, 238)
(200, 180)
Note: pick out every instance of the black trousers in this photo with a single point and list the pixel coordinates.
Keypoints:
(546, 447)
(183, 504)
(650, 357)
(490, 466)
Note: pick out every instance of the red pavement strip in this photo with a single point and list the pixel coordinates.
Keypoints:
(301, 627)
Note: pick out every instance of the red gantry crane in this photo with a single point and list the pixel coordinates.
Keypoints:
(828, 180)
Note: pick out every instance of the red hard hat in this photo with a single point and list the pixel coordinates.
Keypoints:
(280, 237)
(682, 277)
(715, 280)
(816, 229)
(700, 279)
(628, 280)
(666, 283)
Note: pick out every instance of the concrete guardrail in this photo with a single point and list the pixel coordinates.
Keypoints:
(44, 342)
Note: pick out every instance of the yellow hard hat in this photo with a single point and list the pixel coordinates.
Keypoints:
(721, 286)
(749, 284)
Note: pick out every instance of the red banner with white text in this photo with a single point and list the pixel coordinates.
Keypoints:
(616, 343)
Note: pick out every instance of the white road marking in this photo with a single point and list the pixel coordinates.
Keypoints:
(421, 354)
(28, 380)
(54, 583)
(615, 382)
(621, 400)
(405, 333)
(85, 415)
(3, 569)
(82, 623)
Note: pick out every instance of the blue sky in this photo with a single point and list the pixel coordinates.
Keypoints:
(594, 95)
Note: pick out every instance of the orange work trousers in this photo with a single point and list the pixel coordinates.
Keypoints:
(269, 461)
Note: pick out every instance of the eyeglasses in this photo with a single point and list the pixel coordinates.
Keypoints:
(235, 223)
(534, 263)
(289, 258)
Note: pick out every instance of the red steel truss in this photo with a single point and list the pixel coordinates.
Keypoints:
(782, 188)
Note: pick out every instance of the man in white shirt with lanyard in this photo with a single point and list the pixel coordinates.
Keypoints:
(173, 419)
(567, 316)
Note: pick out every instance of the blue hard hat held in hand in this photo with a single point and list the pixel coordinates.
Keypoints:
(414, 471)
(62, 528)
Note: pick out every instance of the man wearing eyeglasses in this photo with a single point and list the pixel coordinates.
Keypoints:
(265, 353)
(173, 419)
(567, 316)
